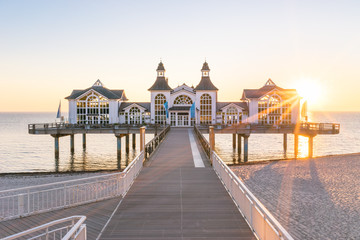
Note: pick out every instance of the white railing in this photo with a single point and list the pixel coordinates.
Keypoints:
(64, 229)
(264, 225)
(26, 201)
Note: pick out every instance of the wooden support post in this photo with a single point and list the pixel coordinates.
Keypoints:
(285, 143)
(56, 146)
(134, 141)
(311, 146)
(211, 142)
(84, 140)
(239, 146)
(118, 144)
(127, 141)
(72, 143)
(296, 145)
(234, 140)
(142, 139)
(246, 148)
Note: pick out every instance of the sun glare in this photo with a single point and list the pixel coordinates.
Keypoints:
(310, 90)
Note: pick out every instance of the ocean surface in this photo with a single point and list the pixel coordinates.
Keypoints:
(22, 152)
(270, 146)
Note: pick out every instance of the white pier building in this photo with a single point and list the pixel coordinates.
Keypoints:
(184, 105)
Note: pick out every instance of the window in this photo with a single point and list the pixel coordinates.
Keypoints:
(232, 115)
(160, 114)
(272, 110)
(183, 99)
(205, 109)
(134, 115)
(92, 109)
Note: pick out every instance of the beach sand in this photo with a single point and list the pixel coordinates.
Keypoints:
(312, 198)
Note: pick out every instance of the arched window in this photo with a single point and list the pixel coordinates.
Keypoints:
(205, 109)
(183, 99)
(160, 114)
(272, 110)
(232, 115)
(134, 115)
(92, 109)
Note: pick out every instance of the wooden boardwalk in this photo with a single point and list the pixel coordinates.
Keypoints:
(170, 199)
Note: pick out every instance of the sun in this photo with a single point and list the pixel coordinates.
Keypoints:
(310, 90)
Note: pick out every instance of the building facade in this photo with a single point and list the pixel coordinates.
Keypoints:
(184, 106)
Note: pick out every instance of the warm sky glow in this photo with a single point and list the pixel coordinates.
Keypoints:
(49, 48)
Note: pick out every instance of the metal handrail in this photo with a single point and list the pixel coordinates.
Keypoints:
(204, 142)
(26, 201)
(75, 230)
(154, 143)
(263, 223)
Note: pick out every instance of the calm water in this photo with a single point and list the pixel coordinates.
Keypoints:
(22, 152)
(270, 146)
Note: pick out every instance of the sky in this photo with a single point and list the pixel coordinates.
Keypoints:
(49, 48)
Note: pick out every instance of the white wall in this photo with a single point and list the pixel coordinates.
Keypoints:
(113, 111)
(72, 111)
(253, 111)
(295, 113)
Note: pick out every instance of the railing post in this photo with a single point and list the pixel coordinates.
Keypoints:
(142, 139)
(21, 204)
(212, 142)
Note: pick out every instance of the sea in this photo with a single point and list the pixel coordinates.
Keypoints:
(23, 152)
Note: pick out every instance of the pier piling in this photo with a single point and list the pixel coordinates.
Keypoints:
(311, 146)
(296, 145)
(134, 141)
(72, 143)
(246, 148)
(239, 145)
(127, 142)
(84, 140)
(118, 144)
(56, 146)
(234, 140)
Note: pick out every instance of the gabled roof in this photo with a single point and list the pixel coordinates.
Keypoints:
(161, 83)
(99, 88)
(184, 87)
(124, 105)
(220, 105)
(206, 84)
(267, 88)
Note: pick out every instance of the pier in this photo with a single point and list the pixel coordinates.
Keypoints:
(243, 131)
(58, 130)
(177, 194)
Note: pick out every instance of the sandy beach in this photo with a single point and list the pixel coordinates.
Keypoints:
(312, 198)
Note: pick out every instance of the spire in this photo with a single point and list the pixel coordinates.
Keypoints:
(98, 83)
(205, 83)
(205, 67)
(161, 82)
(270, 82)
